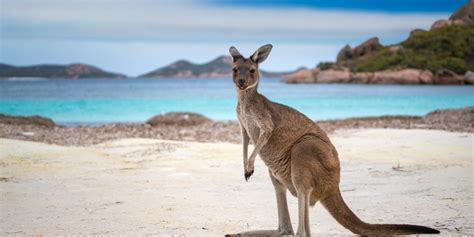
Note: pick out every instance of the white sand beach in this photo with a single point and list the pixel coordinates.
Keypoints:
(172, 188)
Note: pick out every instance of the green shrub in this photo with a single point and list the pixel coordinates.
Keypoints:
(381, 61)
(326, 65)
(446, 47)
(456, 65)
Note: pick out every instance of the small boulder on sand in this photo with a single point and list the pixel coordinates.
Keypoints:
(178, 119)
(27, 120)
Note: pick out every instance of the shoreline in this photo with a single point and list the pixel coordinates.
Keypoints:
(200, 129)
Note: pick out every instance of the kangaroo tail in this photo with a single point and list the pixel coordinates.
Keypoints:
(341, 212)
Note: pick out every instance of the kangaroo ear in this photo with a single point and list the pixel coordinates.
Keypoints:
(235, 53)
(262, 53)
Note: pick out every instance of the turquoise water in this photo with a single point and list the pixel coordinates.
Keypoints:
(136, 100)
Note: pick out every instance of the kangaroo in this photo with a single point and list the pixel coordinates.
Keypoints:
(299, 155)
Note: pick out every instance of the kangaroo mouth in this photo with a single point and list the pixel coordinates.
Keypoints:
(245, 87)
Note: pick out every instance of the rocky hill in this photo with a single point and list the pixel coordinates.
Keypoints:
(185, 69)
(71, 71)
(442, 55)
(219, 67)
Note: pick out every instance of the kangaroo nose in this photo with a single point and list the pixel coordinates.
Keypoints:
(241, 82)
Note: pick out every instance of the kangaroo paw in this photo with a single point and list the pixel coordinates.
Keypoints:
(248, 174)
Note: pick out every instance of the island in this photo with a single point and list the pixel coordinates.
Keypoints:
(217, 68)
(56, 71)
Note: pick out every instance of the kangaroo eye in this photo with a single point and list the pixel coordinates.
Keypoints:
(252, 70)
(234, 70)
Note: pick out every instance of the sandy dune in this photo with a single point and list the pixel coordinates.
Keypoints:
(156, 187)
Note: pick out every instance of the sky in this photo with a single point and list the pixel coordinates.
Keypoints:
(138, 36)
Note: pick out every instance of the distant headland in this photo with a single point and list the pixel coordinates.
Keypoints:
(72, 71)
(217, 68)
(442, 55)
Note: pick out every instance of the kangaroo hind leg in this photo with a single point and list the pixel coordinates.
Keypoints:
(284, 221)
(303, 182)
(314, 171)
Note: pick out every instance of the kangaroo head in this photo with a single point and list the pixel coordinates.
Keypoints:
(245, 70)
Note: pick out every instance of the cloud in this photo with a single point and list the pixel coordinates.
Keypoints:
(195, 20)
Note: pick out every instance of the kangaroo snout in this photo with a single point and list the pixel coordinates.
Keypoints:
(241, 82)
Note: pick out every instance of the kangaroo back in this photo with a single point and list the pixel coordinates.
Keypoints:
(341, 212)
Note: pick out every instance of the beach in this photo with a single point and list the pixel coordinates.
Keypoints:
(126, 123)
(131, 123)
(140, 186)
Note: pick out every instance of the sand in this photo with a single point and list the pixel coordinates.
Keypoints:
(165, 188)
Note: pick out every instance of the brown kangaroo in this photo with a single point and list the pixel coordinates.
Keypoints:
(299, 156)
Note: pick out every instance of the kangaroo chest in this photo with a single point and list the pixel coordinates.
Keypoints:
(246, 113)
(271, 153)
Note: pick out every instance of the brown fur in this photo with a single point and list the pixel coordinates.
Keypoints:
(299, 156)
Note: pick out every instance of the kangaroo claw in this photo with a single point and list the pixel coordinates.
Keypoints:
(248, 174)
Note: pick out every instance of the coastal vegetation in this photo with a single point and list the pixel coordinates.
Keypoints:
(444, 54)
(449, 47)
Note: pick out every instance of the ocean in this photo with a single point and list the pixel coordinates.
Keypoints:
(97, 101)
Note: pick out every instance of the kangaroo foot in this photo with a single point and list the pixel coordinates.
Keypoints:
(261, 233)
